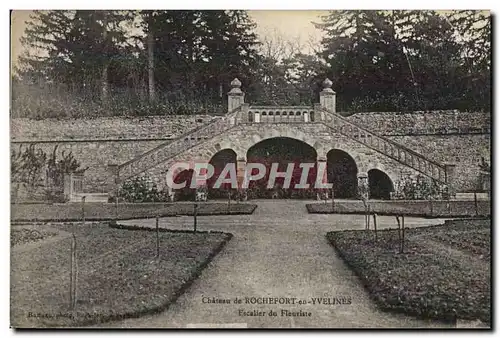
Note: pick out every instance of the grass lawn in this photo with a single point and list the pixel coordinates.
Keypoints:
(438, 209)
(107, 211)
(24, 235)
(118, 273)
(444, 272)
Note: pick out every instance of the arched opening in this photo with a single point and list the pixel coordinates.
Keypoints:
(342, 173)
(219, 162)
(282, 150)
(186, 193)
(380, 185)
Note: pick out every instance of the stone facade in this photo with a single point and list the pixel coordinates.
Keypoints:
(444, 136)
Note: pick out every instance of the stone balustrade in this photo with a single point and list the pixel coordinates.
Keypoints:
(280, 114)
(386, 146)
(177, 146)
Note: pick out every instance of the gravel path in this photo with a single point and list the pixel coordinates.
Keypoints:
(279, 251)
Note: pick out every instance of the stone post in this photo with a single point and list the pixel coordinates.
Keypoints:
(112, 182)
(68, 186)
(321, 177)
(241, 164)
(363, 186)
(449, 169)
(243, 114)
(235, 97)
(327, 96)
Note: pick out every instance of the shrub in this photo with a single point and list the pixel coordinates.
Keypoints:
(41, 175)
(142, 189)
(417, 188)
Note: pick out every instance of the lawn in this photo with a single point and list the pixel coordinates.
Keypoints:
(107, 211)
(118, 273)
(439, 209)
(24, 235)
(443, 273)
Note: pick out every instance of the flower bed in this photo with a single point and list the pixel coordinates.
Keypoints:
(107, 211)
(119, 275)
(426, 280)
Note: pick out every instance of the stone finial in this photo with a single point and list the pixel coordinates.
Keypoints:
(327, 85)
(327, 96)
(236, 98)
(236, 83)
(235, 87)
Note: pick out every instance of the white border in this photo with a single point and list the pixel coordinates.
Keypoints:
(190, 4)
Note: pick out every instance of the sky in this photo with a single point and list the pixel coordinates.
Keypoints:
(292, 25)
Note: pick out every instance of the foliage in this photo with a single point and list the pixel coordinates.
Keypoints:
(34, 170)
(417, 188)
(142, 189)
(95, 56)
(27, 167)
(408, 60)
(122, 62)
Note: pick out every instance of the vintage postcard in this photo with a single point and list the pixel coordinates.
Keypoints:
(241, 169)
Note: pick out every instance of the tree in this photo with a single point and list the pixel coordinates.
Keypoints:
(401, 60)
(76, 48)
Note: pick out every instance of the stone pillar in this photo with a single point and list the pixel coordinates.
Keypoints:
(241, 164)
(235, 97)
(363, 186)
(449, 169)
(321, 178)
(112, 182)
(68, 186)
(327, 96)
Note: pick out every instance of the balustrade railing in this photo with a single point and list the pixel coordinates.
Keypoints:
(177, 146)
(280, 114)
(388, 147)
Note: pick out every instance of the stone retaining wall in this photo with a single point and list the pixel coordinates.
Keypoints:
(444, 136)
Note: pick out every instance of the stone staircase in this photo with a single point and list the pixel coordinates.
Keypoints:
(383, 145)
(186, 141)
(241, 113)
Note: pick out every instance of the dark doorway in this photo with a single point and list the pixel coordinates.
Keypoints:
(282, 150)
(380, 185)
(342, 173)
(219, 161)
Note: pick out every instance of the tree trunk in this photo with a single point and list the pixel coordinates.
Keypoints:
(104, 82)
(151, 63)
(104, 73)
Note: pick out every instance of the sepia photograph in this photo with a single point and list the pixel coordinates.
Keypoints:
(250, 169)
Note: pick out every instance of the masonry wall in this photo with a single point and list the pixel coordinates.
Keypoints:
(445, 136)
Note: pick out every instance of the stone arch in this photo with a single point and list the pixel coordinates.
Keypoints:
(282, 150)
(267, 133)
(390, 171)
(342, 172)
(237, 147)
(380, 185)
